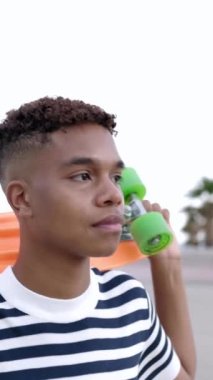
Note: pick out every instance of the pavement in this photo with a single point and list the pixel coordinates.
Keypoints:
(198, 276)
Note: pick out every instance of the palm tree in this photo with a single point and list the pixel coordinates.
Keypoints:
(193, 225)
(204, 191)
(207, 211)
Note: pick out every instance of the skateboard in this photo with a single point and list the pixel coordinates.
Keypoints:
(144, 233)
(148, 229)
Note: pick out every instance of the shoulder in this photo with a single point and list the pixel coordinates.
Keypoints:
(116, 282)
(113, 278)
(124, 302)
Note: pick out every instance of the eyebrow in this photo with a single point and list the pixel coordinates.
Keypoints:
(78, 161)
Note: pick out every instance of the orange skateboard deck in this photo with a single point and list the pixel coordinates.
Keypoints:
(126, 253)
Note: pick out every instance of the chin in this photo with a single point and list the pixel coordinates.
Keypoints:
(104, 252)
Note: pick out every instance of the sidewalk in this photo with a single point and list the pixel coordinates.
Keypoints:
(198, 275)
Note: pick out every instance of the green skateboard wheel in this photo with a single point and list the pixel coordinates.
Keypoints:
(151, 233)
(131, 184)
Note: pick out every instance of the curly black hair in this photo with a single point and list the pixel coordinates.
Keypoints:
(30, 126)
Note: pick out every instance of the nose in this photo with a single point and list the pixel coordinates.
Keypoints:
(109, 194)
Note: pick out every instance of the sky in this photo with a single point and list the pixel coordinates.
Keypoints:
(148, 62)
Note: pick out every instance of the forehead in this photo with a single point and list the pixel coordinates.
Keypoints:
(85, 140)
(92, 143)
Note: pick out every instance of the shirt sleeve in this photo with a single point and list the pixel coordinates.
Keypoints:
(159, 359)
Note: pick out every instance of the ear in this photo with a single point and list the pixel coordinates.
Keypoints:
(18, 197)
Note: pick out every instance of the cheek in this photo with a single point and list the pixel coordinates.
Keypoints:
(61, 210)
(61, 206)
(41, 202)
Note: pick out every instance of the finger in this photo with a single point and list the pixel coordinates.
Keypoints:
(166, 214)
(156, 207)
(147, 205)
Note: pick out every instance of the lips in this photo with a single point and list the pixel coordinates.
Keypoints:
(110, 223)
(112, 219)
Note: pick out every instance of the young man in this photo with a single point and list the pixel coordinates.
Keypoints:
(60, 171)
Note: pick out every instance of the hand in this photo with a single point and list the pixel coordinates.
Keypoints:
(173, 250)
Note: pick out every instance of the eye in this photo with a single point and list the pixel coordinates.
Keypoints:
(81, 177)
(117, 178)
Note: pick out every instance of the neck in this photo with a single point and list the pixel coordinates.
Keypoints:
(54, 276)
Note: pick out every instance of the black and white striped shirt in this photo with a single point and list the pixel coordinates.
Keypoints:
(109, 332)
